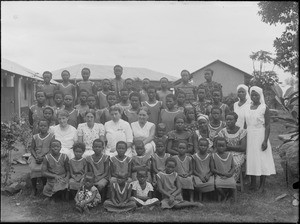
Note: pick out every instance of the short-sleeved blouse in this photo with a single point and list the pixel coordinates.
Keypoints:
(67, 136)
(139, 191)
(90, 134)
(141, 132)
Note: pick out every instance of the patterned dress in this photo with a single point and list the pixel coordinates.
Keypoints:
(201, 107)
(77, 170)
(84, 194)
(183, 167)
(98, 169)
(213, 131)
(223, 107)
(209, 87)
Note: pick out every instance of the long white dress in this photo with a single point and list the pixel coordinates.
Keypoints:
(259, 162)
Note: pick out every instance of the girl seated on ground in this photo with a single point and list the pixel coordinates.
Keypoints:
(169, 186)
(78, 168)
(56, 169)
(120, 197)
(223, 167)
(88, 195)
(142, 190)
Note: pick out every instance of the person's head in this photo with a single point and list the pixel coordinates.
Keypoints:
(216, 113)
(220, 144)
(78, 149)
(118, 71)
(63, 116)
(85, 73)
(68, 100)
(231, 119)
(142, 175)
(164, 83)
(91, 101)
(179, 122)
(106, 84)
(40, 97)
(216, 96)
(124, 95)
(58, 97)
(121, 181)
(170, 165)
(190, 113)
(202, 121)
(83, 94)
(98, 146)
(161, 129)
(151, 92)
(139, 147)
(182, 147)
(115, 112)
(257, 95)
(111, 98)
(65, 75)
(129, 83)
(208, 73)
(185, 76)
(181, 96)
(47, 76)
(48, 113)
(203, 145)
(201, 93)
(160, 147)
(89, 180)
(90, 116)
(121, 148)
(43, 125)
(135, 100)
(170, 101)
(242, 92)
(143, 113)
(55, 146)
(146, 83)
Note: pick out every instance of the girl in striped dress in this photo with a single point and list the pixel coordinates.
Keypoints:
(40, 147)
(223, 167)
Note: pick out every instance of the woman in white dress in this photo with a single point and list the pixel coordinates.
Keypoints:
(144, 130)
(260, 160)
(117, 130)
(239, 106)
(89, 131)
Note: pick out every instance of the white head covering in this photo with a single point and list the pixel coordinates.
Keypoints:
(204, 117)
(246, 88)
(260, 92)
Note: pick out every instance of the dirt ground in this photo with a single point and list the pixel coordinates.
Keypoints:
(250, 206)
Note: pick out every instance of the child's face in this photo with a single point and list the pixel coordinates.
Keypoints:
(121, 149)
(255, 97)
(151, 94)
(111, 100)
(170, 167)
(40, 97)
(106, 84)
(58, 99)
(208, 76)
(161, 131)
(203, 145)
(230, 121)
(65, 76)
(241, 93)
(98, 147)
(202, 124)
(182, 147)
(129, 84)
(170, 103)
(164, 83)
(63, 120)
(55, 148)
(216, 97)
(146, 83)
(118, 72)
(142, 177)
(85, 75)
(47, 77)
(221, 146)
(124, 96)
(68, 100)
(216, 114)
(180, 98)
(160, 148)
(78, 152)
(43, 126)
(185, 76)
(91, 102)
(140, 149)
(48, 114)
(135, 102)
(191, 115)
(83, 96)
(201, 93)
(179, 124)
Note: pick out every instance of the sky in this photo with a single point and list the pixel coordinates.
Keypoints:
(162, 36)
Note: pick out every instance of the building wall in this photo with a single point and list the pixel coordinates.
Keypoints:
(228, 77)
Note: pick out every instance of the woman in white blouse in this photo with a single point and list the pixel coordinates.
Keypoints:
(239, 107)
(89, 131)
(117, 130)
(144, 130)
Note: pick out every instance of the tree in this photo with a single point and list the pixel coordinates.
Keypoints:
(286, 46)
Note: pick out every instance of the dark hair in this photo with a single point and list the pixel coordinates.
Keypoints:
(151, 87)
(68, 94)
(146, 79)
(115, 108)
(98, 140)
(63, 113)
(43, 119)
(47, 72)
(157, 140)
(180, 92)
(86, 69)
(118, 66)
(183, 141)
(121, 142)
(180, 116)
(128, 79)
(79, 145)
(55, 140)
(161, 125)
(143, 169)
(83, 90)
(216, 108)
(105, 80)
(135, 94)
(233, 114)
(65, 71)
(164, 78)
(137, 142)
(200, 87)
(48, 108)
(110, 94)
(219, 138)
(208, 70)
(187, 109)
(39, 91)
(184, 71)
(171, 95)
(217, 90)
(171, 159)
(56, 92)
(91, 95)
(203, 139)
(145, 109)
(92, 111)
(124, 90)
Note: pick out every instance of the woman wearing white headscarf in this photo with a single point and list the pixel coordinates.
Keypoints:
(260, 160)
(239, 107)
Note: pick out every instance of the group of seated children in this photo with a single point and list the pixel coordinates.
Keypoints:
(133, 182)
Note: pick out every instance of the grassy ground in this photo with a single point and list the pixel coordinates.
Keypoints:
(250, 206)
